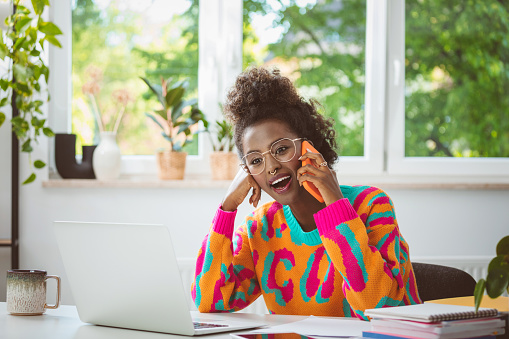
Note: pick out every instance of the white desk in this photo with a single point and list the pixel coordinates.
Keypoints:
(64, 323)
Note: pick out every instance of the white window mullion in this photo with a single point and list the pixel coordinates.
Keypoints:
(60, 80)
(220, 61)
(395, 84)
(372, 162)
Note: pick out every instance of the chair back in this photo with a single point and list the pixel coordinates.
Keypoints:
(439, 282)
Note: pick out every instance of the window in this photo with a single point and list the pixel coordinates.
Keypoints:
(417, 88)
(114, 43)
(446, 83)
(320, 45)
(456, 100)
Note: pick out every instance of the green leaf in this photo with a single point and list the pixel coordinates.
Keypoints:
(154, 120)
(174, 96)
(45, 72)
(32, 33)
(177, 147)
(22, 24)
(37, 122)
(17, 121)
(48, 132)
(37, 72)
(39, 5)
(27, 147)
(39, 164)
(2, 118)
(197, 114)
(496, 282)
(18, 43)
(167, 137)
(3, 102)
(3, 50)
(184, 83)
(176, 111)
(191, 102)
(503, 246)
(30, 179)
(479, 292)
(185, 129)
(156, 90)
(4, 84)
(52, 40)
(499, 262)
(21, 72)
(49, 28)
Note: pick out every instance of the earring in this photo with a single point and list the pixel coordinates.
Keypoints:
(273, 173)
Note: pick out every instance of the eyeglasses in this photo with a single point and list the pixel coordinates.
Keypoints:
(283, 150)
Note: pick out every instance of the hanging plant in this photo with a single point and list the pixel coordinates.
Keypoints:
(20, 49)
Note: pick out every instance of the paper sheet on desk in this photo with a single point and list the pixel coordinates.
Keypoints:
(322, 327)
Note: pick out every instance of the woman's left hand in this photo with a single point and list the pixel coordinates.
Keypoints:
(321, 176)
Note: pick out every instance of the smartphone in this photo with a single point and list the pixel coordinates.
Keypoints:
(269, 336)
(307, 147)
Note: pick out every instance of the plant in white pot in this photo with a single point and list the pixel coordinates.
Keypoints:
(224, 163)
(23, 84)
(107, 156)
(179, 120)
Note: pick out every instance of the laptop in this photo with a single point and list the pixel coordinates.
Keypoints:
(127, 276)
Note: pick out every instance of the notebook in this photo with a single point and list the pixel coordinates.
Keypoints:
(382, 335)
(127, 276)
(430, 312)
(443, 328)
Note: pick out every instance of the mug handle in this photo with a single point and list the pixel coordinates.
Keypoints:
(58, 292)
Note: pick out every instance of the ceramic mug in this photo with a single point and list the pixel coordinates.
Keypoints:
(26, 292)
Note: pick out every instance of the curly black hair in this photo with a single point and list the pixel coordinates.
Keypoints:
(262, 94)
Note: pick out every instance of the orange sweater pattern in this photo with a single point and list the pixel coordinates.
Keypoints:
(356, 259)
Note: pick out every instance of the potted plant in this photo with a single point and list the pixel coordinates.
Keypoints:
(497, 280)
(179, 120)
(224, 163)
(25, 37)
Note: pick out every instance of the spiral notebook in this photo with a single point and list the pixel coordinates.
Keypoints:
(430, 312)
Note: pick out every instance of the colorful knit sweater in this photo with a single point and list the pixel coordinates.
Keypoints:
(356, 259)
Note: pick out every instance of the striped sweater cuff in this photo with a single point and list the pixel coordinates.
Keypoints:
(333, 215)
(223, 222)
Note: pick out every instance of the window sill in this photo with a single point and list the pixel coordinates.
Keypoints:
(205, 182)
(136, 182)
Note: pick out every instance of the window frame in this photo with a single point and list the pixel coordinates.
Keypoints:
(221, 16)
(220, 60)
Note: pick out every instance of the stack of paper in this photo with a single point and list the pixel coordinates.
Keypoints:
(434, 321)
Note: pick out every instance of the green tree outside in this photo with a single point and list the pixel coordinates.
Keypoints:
(457, 77)
(108, 39)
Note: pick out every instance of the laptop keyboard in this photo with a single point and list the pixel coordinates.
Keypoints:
(198, 325)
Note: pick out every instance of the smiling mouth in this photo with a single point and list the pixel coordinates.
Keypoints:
(281, 185)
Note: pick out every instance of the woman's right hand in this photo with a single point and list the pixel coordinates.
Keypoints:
(239, 189)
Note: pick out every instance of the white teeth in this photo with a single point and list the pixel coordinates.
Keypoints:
(279, 180)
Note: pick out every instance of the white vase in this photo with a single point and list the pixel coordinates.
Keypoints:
(106, 159)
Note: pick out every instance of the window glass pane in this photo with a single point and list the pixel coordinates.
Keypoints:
(457, 80)
(320, 45)
(115, 42)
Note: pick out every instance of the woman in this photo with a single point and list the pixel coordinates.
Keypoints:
(332, 258)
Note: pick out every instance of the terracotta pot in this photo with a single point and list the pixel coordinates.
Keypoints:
(224, 166)
(172, 165)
